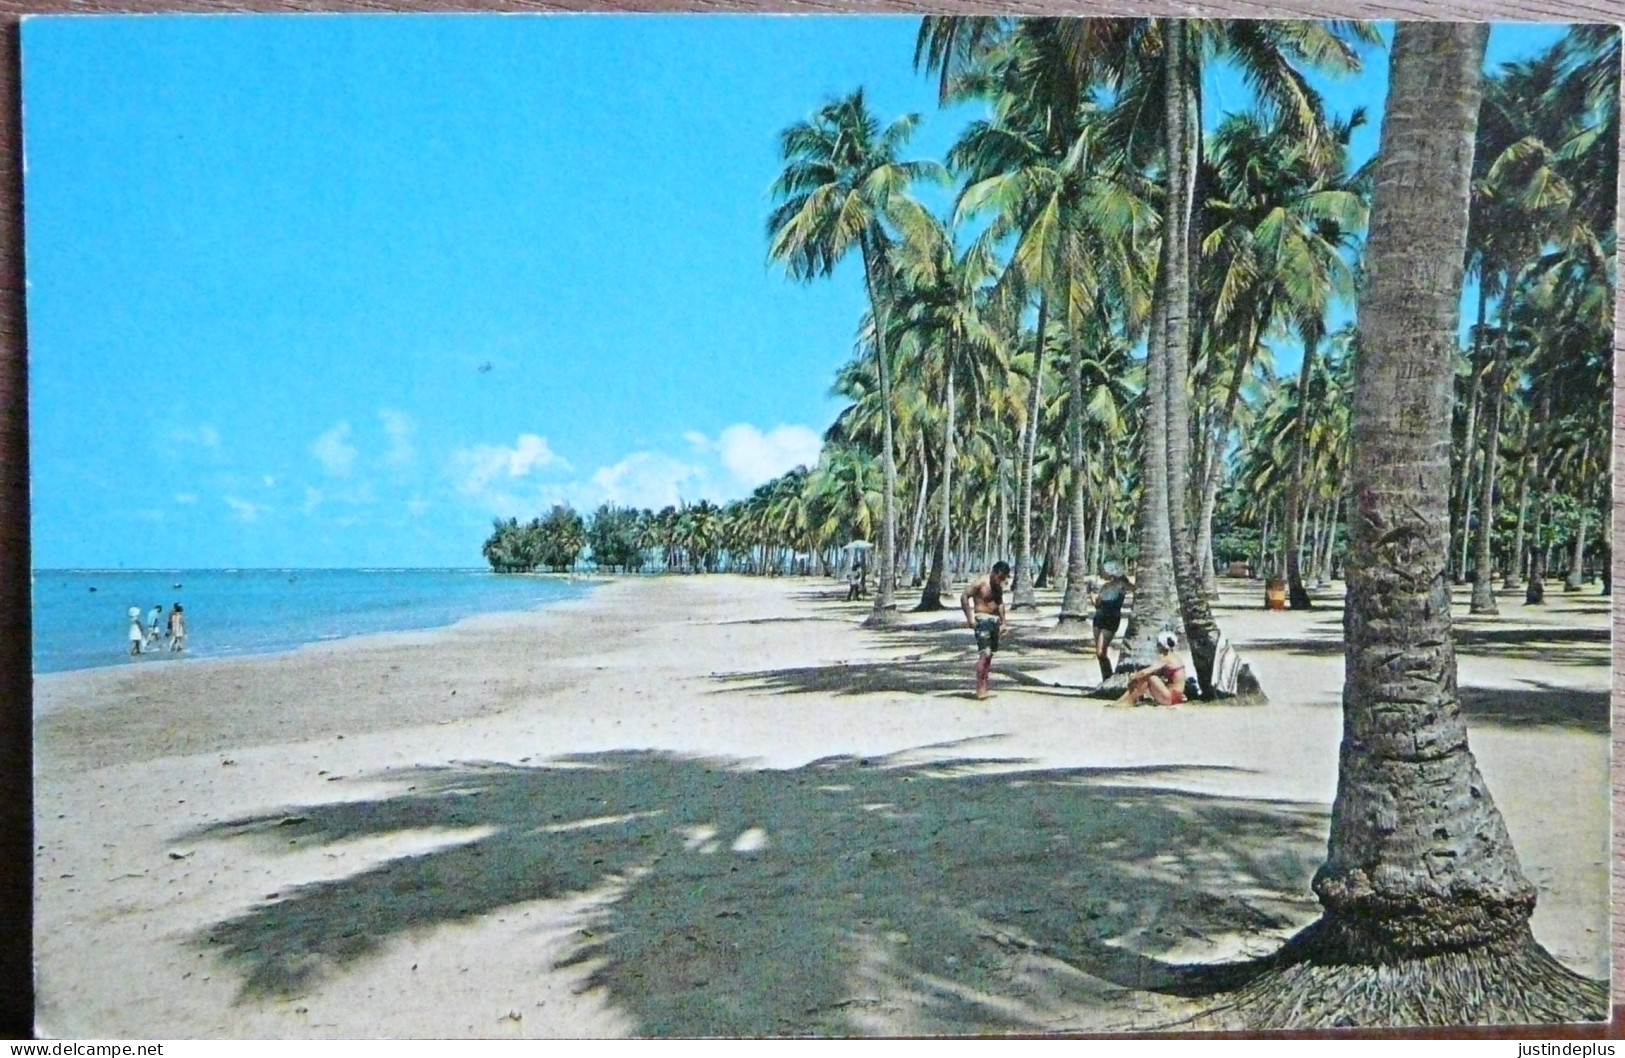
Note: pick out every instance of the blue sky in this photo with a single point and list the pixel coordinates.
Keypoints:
(335, 291)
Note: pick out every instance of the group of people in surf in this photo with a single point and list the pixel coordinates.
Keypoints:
(146, 640)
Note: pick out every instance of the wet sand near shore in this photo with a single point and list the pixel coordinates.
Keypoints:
(716, 805)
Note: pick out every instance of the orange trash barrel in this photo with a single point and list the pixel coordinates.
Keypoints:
(1275, 595)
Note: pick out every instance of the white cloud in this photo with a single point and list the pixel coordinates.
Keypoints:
(500, 477)
(648, 479)
(335, 452)
(417, 506)
(202, 435)
(202, 439)
(479, 467)
(753, 457)
(399, 427)
(186, 498)
(244, 509)
(720, 469)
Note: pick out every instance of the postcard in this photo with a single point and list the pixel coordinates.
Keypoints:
(756, 526)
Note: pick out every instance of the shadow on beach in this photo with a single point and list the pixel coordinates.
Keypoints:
(937, 661)
(847, 896)
(1538, 644)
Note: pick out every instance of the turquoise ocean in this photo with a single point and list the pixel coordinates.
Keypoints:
(81, 616)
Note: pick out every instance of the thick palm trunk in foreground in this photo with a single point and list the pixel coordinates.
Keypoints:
(1425, 911)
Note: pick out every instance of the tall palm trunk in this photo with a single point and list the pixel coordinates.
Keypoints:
(1075, 603)
(1576, 574)
(1425, 911)
(1217, 438)
(1297, 595)
(1097, 541)
(1263, 546)
(1204, 544)
(1156, 602)
(1606, 566)
(1483, 583)
(1312, 544)
(1513, 578)
(1004, 509)
(1469, 448)
(1024, 597)
(948, 456)
(931, 592)
(936, 584)
(1201, 630)
(1046, 554)
(885, 606)
(1329, 567)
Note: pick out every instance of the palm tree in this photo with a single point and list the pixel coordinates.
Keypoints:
(1139, 61)
(940, 310)
(1080, 219)
(1270, 54)
(841, 187)
(1521, 202)
(1099, 424)
(1284, 218)
(1425, 912)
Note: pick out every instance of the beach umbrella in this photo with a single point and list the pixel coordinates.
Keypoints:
(858, 545)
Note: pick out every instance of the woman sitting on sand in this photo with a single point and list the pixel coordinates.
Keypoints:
(1163, 681)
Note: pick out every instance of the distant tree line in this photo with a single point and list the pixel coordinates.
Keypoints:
(794, 524)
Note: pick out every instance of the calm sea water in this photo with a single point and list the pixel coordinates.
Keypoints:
(81, 616)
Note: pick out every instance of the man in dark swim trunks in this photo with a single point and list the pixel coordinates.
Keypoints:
(1108, 613)
(986, 596)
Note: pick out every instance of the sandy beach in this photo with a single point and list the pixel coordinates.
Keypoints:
(716, 805)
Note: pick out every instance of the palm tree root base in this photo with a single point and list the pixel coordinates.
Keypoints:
(1320, 980)
(886, 618)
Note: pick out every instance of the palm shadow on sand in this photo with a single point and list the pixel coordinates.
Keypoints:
(904, 676)
(847, 896)
(1538, 645)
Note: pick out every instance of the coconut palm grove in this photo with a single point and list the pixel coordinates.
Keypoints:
(1000, 382)
(1071, 358)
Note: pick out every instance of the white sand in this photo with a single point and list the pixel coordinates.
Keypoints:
(252, 848)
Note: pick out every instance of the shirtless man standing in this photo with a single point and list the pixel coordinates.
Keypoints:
(986, 596)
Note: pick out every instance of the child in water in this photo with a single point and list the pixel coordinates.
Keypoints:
(136, 636)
